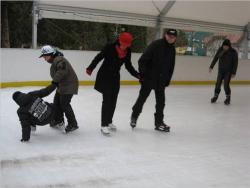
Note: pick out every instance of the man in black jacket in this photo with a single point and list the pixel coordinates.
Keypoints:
(33, 110)
(156, 66)
(228, 63)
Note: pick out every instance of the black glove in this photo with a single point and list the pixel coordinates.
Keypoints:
(140, 77)
(55, 83)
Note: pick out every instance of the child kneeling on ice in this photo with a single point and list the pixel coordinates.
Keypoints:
(33, 110)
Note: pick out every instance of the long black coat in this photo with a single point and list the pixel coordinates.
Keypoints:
(108, 76)
(157, 64)
(228, 60)
(33, 111)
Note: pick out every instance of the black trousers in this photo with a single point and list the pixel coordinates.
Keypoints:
(226, 76)
(160, 102)
(63, 106)
(108, 106)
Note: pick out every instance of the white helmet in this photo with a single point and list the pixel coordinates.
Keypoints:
(47, 50)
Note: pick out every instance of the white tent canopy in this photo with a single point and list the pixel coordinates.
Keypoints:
(213, 16)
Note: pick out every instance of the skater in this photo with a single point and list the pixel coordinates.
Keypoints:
(228, 63)
(108, 76)
(33, 110)
(156, 66)
(62, 73)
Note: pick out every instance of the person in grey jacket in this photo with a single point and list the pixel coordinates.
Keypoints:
(65, 78)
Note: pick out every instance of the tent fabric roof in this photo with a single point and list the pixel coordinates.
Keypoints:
(220, 16)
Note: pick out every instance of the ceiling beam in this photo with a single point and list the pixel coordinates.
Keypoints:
(96, 15)
(163, 13)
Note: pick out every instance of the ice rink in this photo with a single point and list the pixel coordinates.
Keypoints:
(208, 146)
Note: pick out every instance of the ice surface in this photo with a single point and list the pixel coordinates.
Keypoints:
(208, 146)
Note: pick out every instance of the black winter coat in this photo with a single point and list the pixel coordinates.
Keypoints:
(157, 64)
(108, 76)
(33, 110)
(228, 60)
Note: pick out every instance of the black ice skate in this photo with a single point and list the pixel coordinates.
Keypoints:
(71, 127)
(133, 121)
(227, 101)
(214, 99)
(162, 127)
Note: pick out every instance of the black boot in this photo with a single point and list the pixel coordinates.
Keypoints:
(215, 97)
(228, 99)
(133, 121)
(71, 127)
(70, 115)
(162, 127)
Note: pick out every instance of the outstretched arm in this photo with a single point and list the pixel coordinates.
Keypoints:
(24, 120)
(45, 91)
(216, 57)
(129, 66)
(96, 60)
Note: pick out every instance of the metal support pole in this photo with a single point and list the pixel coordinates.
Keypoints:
(248, 42)
(34, 24)
(159, 29)
(165, 10)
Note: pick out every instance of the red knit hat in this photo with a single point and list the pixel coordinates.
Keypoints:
(125, 39)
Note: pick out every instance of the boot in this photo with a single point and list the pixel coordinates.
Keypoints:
(162, 127)
(71, 127)
(228, 99)
(112, 127)
(133, 121)
(105, 131)
(215, 97)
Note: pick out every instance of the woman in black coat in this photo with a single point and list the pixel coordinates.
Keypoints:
(108, 76)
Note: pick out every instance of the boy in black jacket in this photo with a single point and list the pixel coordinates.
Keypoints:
(33, 110)
(228, 63)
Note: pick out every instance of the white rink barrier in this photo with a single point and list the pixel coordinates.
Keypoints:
(23, 65)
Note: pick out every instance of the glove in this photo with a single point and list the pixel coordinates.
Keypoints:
(55, 83)
(140, 77)
(89, 71)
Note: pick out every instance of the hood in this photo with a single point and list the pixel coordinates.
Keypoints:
(21, 99)
(227, 42)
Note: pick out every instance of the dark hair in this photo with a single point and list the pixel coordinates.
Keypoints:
(57, 53)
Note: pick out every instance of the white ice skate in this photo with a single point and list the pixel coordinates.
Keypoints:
(105, 131)
(112, 127)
